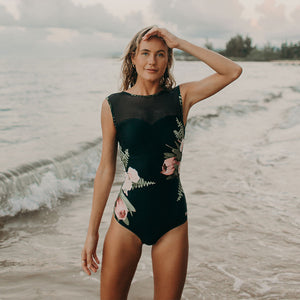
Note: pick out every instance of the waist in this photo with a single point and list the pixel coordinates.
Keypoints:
(153, 168)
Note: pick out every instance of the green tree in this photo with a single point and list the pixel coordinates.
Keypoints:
(238, 46)
(297, 50)
(286, 51)
(270, 52)
(291, 51)
(247, 45)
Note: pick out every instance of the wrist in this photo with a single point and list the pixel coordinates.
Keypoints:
(180, 44)
(93, 232)
(92, 236)
(186, 46)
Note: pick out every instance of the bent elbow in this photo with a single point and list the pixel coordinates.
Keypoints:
(237, 72)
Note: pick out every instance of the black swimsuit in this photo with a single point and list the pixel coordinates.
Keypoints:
(150, 132)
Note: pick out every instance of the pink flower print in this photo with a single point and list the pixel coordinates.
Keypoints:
(121, 209)
(168, 166)
(131, 176)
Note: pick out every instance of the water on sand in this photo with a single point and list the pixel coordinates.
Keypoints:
(239, 171)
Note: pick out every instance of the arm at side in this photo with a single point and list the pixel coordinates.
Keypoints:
(106, 171)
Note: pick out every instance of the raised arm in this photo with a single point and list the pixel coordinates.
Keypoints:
(226, 72)
(102, 185)
(192, 92)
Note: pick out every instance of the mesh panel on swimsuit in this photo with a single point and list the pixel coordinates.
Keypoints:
(150, 132)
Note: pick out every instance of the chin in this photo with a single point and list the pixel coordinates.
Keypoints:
(152, 77)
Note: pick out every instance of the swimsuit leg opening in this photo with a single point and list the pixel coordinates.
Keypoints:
(133, 234)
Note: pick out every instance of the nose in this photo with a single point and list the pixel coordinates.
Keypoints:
(151, 59)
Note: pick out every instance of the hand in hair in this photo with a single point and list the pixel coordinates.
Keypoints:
(171, 40)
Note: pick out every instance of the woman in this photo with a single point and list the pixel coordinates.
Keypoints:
(148, 121)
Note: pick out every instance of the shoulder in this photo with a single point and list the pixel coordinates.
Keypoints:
(113, 97)
(107, 111)
(109, 101)
(175, 91)
(173, 94)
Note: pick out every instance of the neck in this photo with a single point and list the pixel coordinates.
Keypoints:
(143, 87)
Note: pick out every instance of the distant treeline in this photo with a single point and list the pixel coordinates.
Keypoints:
(240, 48)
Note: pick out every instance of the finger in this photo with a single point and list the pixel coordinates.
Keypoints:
(153, 31)
(89, 260)
(84, 267)
(150, 34)
(96, 258)
(95, 261)
(83, 260)
(91, 264)
(94, 268)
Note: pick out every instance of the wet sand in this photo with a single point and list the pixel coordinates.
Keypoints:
(239, 171)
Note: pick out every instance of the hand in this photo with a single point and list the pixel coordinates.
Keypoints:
(89, 259)
(171, 40)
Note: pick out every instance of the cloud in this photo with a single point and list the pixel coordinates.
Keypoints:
(57, 42)
(59, 26)
(61, 35)
(20, 41)
(200, 18)
(5, 18)
(65, 14)
(274, 22)
(295, 18)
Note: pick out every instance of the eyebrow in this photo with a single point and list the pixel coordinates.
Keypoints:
(147, 50)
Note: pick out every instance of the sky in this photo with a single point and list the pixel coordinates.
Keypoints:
(104, 27)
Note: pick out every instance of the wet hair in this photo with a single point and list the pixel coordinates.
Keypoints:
(128, 71)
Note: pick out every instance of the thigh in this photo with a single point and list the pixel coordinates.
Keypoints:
(120, 256)
(169, 259)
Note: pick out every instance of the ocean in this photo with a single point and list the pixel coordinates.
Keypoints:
(240, 173)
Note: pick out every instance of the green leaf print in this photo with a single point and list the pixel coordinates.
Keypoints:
(132, 181)
(124, 156)
(173, 158)
(168, 154)
(180, 133)
(175, 151)
(180, 191)
(141, 183)
(130, 207)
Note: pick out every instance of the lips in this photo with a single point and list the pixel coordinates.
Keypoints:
(152, 70)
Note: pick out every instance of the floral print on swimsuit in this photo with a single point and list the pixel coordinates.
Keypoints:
(171, 165)
(132, 181)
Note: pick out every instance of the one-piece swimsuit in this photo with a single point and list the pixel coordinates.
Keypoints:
(150, 132)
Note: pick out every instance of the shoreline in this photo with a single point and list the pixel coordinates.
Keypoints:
(279, 61)
(287, 61)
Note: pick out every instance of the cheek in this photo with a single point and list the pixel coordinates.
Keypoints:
(140, 61)
(164, 65)
(164, 62)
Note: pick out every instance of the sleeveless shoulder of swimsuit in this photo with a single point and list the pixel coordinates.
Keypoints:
(150, 132)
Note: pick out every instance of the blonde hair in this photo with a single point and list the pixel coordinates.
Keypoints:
(128, 72)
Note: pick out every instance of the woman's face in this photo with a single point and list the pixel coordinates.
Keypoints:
(151, 59)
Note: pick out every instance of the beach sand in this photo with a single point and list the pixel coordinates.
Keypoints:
(240, 173)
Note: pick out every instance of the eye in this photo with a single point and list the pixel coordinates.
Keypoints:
(161, 54)
(145, 53)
